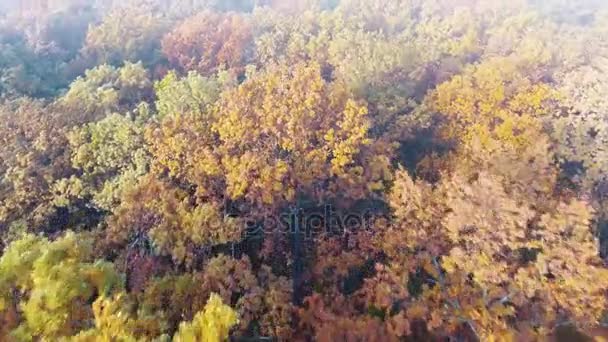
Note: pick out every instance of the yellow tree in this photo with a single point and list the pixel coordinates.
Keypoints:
(283, 131)
(210, 325)
(493, 100)
(116, 319)
(56, 281)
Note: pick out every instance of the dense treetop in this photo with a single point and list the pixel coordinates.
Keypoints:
(306, 170)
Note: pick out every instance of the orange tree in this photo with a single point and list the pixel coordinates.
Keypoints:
(209, 41)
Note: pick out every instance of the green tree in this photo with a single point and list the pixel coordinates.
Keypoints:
(105, 89)
(110, 157)
(191, 95)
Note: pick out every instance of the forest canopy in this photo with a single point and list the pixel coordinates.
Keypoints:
(303, 170)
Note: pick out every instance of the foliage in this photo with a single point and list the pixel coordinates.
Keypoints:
(281, 115)
(583, 128)
(23, 71)
(126, 34)
(261, 298)
(56, 280)
(115, 321)
(493, 101)
(175, 224)
(191, 95)
(36, 150)
(444, 163)
(210, 325)
(208, 42)
(33, 155)
(106, 89)
(110, 157)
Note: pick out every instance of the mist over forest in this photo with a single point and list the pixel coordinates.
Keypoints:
(303, 170)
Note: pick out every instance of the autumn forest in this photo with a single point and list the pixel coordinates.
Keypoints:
(303, 170)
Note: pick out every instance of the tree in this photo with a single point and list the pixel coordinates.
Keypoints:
(56, 281)
(126, 34)
(110, 156)
(208, 42)
(210, 325)
(106, 89)
(36, 153)
(482, 252)
(191, 95)
(23, 71)
(303, 170)
(33, 154)
(171, 219)
(354, 44)
(305, 132)
(115, 320)
(260, 298)
(582, 128)
(493, 100)
(58, 34)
